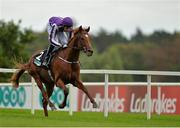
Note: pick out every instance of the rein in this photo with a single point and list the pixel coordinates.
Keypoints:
(70, 62)
(75, 48)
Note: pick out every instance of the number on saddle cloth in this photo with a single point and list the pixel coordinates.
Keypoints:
(38, 59)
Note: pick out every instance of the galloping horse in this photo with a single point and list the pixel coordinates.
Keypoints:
(64, 69)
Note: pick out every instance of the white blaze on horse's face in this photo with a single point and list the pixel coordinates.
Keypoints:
(86, 35)
(88, 48)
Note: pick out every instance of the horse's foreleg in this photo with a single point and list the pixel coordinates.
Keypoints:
(61, 85)
(80, 85)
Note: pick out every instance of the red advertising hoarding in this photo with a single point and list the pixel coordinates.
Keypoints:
(131, 99)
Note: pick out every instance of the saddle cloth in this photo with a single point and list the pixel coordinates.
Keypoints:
(38, 59)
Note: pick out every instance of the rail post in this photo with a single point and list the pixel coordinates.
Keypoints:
(159, 99)
(106, 95)
(148, 97)
(33, 96)
(70, 100)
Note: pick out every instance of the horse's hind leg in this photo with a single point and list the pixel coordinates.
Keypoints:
(49, 88)
(80, 85)
(61, 84)
(44, 94)
(45, 103)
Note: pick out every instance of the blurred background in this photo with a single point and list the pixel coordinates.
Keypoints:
(125, 34)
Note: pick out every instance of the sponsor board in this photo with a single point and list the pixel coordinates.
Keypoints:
(16, 98)
(131, 99)
(22, 97)
(120, 98)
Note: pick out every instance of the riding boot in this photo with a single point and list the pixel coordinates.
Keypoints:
(48, 54)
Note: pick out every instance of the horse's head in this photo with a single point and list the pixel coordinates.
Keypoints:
(82, 40)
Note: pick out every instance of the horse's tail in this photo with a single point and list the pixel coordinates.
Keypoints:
(15, 77)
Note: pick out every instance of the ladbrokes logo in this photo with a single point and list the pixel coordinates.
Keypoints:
(115, 104)
(129, 102)
(12, 97)
(168, 105)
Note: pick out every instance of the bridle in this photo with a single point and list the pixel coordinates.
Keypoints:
(75, 48)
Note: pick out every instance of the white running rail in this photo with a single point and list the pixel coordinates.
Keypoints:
(106, 83)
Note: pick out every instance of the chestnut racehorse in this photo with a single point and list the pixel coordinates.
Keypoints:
(64, 69)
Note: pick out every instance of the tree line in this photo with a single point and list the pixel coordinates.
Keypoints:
(156, 51)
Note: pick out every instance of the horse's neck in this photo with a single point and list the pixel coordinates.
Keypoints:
(70, 53)
(73, 53)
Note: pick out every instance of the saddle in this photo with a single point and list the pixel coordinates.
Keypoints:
(39, 58)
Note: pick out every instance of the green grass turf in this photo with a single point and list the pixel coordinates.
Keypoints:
(19, 117)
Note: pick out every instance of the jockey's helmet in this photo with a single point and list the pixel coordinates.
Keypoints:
(67, 21)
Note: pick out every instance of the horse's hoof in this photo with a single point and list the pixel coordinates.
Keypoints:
(61, 106)
(53, 108)
(95, 105)
(46, 114)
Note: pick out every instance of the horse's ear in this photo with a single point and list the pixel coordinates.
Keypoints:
(80, 28)
(87, 30)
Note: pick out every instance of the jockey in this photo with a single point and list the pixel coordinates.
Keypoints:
(60, 31)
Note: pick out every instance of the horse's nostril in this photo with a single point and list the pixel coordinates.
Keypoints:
(91, 51)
